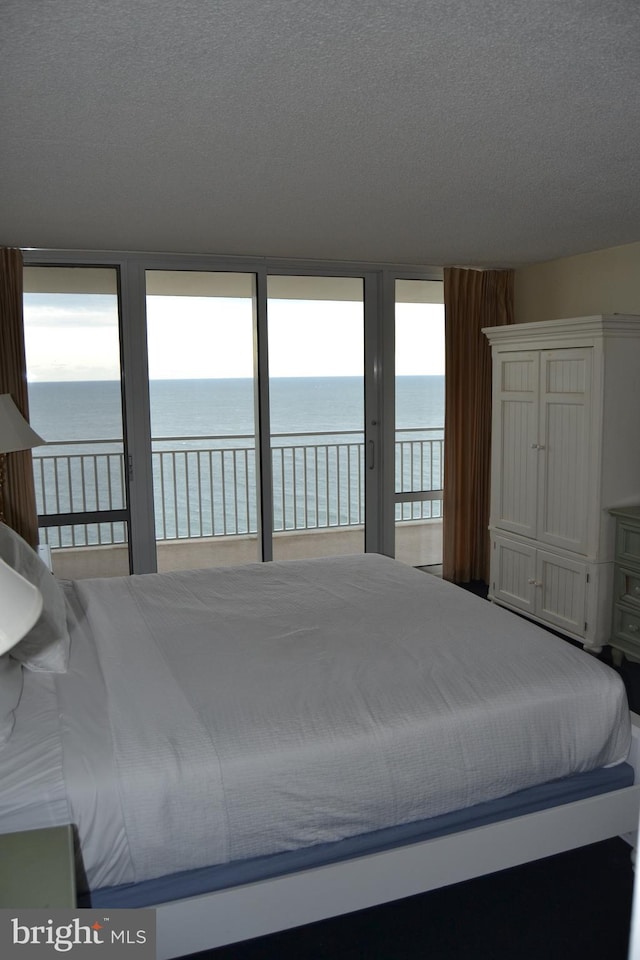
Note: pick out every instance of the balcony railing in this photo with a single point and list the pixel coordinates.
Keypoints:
(206, 486)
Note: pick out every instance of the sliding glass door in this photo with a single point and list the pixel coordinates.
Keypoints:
(419, 434)
(253, 418)
(72, 343)
(200, 334)
(316, 400)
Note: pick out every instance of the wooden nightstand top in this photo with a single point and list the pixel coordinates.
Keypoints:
(37, 868)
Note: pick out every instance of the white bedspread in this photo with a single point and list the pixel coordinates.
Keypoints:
(214, 715)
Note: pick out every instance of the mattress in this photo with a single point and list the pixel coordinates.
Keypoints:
(215, 716)
(192, 883)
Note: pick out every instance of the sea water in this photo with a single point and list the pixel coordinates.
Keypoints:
(91, 410)
(317, 479)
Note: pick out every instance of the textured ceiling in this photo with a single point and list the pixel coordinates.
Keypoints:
(433, 132)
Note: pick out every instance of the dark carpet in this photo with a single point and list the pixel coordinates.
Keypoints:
(574, 906)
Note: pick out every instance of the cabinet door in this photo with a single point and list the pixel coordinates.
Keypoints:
(513, 568)
(564, 468)
(561, 588)
(515, 431)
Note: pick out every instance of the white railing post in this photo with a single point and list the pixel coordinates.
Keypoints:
(315, 477)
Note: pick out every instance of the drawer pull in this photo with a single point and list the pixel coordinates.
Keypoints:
(633, 628)
(636, 589)
(534, 583)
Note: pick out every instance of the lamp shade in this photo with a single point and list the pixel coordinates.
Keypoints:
(15, 432)
(20, 606)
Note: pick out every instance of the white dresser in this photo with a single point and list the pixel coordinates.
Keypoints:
(565, 450)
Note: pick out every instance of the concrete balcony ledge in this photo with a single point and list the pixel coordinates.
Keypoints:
(418, 543)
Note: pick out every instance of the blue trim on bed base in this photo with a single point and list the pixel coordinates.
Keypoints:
(192, 883)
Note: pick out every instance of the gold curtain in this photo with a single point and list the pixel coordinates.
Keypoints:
(19, 492)
(473, 299)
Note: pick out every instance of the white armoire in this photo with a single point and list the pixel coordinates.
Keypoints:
(565, 450)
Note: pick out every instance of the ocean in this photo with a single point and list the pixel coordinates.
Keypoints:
(90, 410)
(207, 487)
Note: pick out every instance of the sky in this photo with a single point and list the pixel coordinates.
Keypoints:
(75, 337)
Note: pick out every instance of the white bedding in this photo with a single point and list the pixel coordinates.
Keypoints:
(214, 715)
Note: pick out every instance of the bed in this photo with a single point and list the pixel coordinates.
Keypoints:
(252, 748)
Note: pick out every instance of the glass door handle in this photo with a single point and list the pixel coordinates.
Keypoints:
(371, 455)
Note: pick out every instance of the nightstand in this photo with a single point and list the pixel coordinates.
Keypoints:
(625, 630)
(37, 868)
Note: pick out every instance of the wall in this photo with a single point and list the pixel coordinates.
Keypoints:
(418, 543)
(607, 281)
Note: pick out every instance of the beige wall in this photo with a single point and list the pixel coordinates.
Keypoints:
(607, 281)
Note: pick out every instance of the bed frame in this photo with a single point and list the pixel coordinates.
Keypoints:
(255, 909)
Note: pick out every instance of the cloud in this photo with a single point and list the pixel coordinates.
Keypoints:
(70, 311)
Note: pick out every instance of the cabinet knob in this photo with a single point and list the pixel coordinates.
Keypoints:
(534, 583)
(633, 627)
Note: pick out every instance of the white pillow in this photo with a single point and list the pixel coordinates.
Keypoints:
(10, 693)
(46, 647)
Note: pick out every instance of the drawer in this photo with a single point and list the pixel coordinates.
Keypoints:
(627, 586)
(626, 624)
(628, 542)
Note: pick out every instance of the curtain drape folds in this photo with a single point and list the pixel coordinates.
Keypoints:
(19, 492)
(473, 299)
